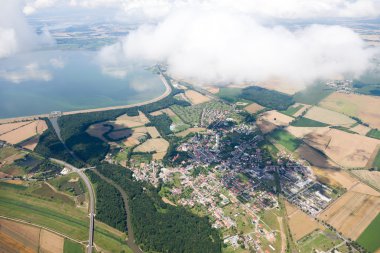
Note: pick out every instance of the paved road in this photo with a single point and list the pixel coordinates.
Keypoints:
(91, 202)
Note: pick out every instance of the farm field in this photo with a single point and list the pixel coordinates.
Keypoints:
(191, 130)
(370, 177)
(370, 237)
(374, 133)
(313, 94)
(302, 110)
(363, 107)
(98, 130)
(319, 241)
(229, 94)
(268, 121)
(305, 122)
(293, 109)
(72, 247)
(352, 210)
(126, 121)
(286, 139)
(196, 97)
(300, 223)
(253, 108)
(7, 127)
(361, 129)
(24, 132)
(329, 117)
(59, 216)
(138, 134)
(376, 161)
(159, 146)
(315, 157)
(337, 178)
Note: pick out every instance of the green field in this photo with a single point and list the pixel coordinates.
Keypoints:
(313, 94)
(179, 124)
(369, 239)
(72, 247)
(7, 152)
(321, 241)
(230, 94)
(305, 122)
(19, 202)
(345, 129)
(292, 110)
(376, 163)
(286, 139)
(374, 133)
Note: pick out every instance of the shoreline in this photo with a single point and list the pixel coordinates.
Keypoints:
(168, 90)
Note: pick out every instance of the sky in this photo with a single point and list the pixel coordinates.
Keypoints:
(215, 41)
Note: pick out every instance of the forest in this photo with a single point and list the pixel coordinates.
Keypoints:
(267, 98)
(160, 227)
(108, 196)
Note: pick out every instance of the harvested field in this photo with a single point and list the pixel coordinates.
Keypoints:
(50, 243)
(362, 106)
(31, 144)
(10, 245)
(253, 108)
(196, 97)
(167, 111)
(160, 146)
(126, 121)
(268, 121)
(97, 130)
(329, 117)
(213, 90)
(352, 210)
(336, 177)
(280, 85)
(191, 130)
(25, 132)
(134, 139)
(300, 223)
(4, 128)
(25, 235)
(153, 132)
(360, 129)
(346, 149)
(370, 177)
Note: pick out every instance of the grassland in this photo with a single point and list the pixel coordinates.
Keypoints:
(305, 122)
(321, 241)
(18, 202)
(230, 94)
(286, 139)
(72, 247)
(292, 110)
(369, 239)
(374, 133)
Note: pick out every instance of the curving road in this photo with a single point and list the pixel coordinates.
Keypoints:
(91, 204)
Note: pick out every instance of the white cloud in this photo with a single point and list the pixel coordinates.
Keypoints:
(30, 72)
(228, 46)
(33, 5)
(57, 63)
(15, 32)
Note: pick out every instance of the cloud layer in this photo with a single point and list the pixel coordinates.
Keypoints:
(223, 46)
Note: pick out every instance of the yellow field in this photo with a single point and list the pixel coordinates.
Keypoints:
(159, 145)
(360, 129)
(191, 130)
(302, 110)
(167, 111)
(4, 128)
(268, 121)
(253, 108)
(153, 132)
(362, 106)
(196, 97)
(352, 210)
(126, 121)
(50, 243)
(329, 117)
(23, 132)
(137, 133)
(336, 177)
(300, 223)
(372, 177)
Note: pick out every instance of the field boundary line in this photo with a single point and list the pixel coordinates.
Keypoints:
(41, 227)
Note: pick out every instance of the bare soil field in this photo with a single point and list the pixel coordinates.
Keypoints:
(190, 130)
(352, 210)
(4, 128)
(50, 243)
(97, 130)
(213, 90)
(10, 245)
(268, 121)
(360, 129)
(159, 145)
(253, 108)
(329, 117)
(25, 132)
(25, 235)
(362, 106)
(120, 134)
(196, 97)
(371, 177)
(126, 121)
(300, 223)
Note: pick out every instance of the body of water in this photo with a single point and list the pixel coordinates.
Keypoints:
(44, 81)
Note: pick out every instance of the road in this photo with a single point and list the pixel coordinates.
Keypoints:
(91, 205)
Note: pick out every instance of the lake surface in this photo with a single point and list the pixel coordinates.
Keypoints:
(45, 81)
